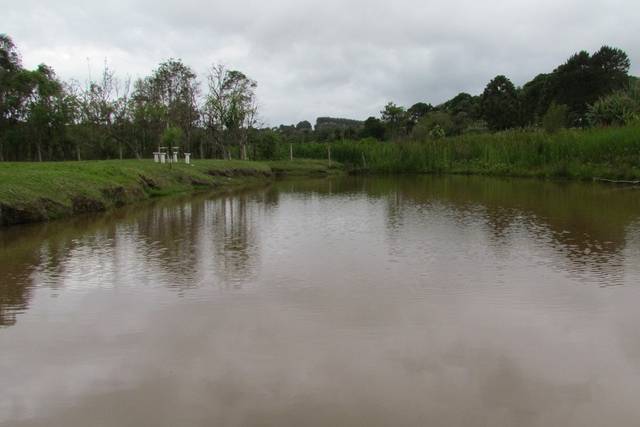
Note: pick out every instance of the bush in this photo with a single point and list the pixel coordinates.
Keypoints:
(435, 124)
(617, 109)
(267, 145)
(172, 137)
(437, 132)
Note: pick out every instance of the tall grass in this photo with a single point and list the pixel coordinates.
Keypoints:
(604, 152)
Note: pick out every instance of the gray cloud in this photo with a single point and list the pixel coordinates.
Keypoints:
(338, 58)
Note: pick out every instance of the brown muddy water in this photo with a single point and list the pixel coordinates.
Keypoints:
(413, 301)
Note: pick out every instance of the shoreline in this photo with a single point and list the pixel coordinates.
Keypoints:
(38, 192)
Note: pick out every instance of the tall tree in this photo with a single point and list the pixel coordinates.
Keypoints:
(416, 112)
(464, 111)
(573, 84)
(148, 116)
(583, 79)
(106, 113)
(13, 87)
(500, 104)
(611, 67)
(373, 128)
(304, 126)
(463, 103)
(230, 106)
(536, 98)
(173, 88)
(46, 111)
(395, 118)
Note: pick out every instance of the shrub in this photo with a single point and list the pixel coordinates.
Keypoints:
(617, 109)
(435, 124)
(172, 136)
(268, 145)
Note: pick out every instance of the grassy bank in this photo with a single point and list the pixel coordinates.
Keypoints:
(581, 154)
(31, 192)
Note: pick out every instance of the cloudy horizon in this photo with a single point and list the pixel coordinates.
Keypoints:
(313, 58)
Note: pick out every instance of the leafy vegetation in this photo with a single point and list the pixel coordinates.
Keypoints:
(558, 124)
(45, 119)
(562, 98)
(570, 153)
(617, 109)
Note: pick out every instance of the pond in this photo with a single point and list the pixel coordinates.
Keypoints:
(377, 301)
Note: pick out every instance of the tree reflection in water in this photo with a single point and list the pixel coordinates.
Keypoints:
(591, 229)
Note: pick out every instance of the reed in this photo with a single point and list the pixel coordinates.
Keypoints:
(574, 153)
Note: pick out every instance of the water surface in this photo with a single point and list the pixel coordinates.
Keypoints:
(439, 301)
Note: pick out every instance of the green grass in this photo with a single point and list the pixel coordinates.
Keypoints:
(39, 191)
(580, 154)
(24, 182)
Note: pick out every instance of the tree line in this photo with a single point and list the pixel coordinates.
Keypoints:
(587, 90)
(43, 118)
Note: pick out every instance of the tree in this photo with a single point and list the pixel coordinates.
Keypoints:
(435, 124)
(172, 137)
(463, 103)
(230, 106)
(45, 110)
(107, 114)
(536, 98)
(173, 89)
(304, 126)
(12, 88)
(373, 128)
(500, 104)
(583, 79)
(147, 115)
(9, 56)
(611, 67)
(267, 144)
(35, 107)
(395, 119)
(573, 84)
(336, 128)
(416, 112)
(464, 110)
(302, 131)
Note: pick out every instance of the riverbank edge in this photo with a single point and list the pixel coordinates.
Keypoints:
(607, 175)
(37, 192)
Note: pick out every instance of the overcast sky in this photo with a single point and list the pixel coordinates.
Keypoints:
(325, 58)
